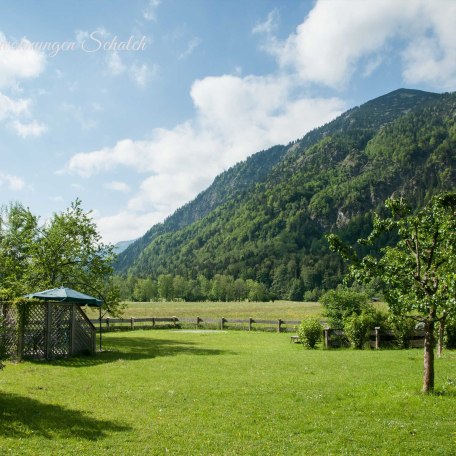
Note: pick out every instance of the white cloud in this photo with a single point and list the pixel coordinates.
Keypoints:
(11, 181)
(430, 58)
(80, 115)
(269, 26)
(19, 60)
(191, 46)
(150, 12)
(115, 64)
(338, 37)
(117, 186)
(13, 108)
(126, 224)
(141, 74)
(234, 118)
(33, 128)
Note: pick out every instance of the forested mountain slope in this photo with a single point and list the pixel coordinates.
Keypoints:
(229, 185)
(331, 180)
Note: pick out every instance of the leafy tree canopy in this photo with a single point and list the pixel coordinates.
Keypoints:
(418, 273)
(67, 250)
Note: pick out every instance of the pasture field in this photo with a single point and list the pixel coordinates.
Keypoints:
(226, 393)
(286, 310)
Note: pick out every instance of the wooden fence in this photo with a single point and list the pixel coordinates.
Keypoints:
(109, 324)
(332, 337)
(378, 338)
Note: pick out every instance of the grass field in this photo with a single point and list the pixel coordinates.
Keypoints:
(286, 310)
(226, 393)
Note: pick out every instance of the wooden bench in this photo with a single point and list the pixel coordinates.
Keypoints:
(294, 339)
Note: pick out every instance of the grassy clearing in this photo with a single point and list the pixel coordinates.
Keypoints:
(286, 310)
(233, 393)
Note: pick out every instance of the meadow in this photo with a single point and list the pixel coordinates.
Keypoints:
(226, 393)
(286, 310)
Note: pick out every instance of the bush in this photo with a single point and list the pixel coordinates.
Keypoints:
(357, 329)
(340, 304)
(310, 332)
(403, 329)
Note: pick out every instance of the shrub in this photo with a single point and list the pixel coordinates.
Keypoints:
(340, 304)
(403, 329)
(357, 329)
(310, 332)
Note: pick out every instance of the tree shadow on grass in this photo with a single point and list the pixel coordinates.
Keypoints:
(136, 348)
(22, 417)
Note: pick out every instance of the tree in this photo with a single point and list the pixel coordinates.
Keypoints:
(165, 287)
(341, 304)
(145, 290)
(417, 275)
(65, 251)
(18, 236)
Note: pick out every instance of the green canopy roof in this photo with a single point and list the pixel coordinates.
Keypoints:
(64, 294)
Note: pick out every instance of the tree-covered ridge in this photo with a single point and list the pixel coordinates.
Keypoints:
(402, 143)
(231, 184)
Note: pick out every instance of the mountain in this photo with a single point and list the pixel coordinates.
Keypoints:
(265, 219)
(230, 185)
(120, 246)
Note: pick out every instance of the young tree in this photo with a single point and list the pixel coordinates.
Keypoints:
(18, 236)
(418, 274)
(65, 251)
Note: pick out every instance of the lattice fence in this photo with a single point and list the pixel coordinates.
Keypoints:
(49, 330)
(8, 330)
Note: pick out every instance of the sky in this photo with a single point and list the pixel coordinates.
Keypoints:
(134, 106)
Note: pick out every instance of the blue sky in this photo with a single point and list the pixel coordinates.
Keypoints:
(138, 130)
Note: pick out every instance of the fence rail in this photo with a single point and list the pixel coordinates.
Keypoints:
(109, 324)
(378, 338)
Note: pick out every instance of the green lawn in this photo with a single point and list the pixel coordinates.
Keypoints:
(233, 393)
(286, 310)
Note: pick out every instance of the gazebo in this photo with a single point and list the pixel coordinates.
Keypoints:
(53, 326)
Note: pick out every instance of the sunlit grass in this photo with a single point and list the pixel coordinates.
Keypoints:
(286, 310)
(226, 393)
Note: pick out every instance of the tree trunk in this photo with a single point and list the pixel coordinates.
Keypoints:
(441, 334)
(429, 342)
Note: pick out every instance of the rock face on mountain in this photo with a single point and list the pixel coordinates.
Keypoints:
(266, 217)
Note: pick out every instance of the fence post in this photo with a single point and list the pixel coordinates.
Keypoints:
(174, 321)
(250, 323)
(222, 323)
(377, 337)
(153, 322)
(132, 323)
(198, 319)
(108, 326)
(327, 338)
(279, 325)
